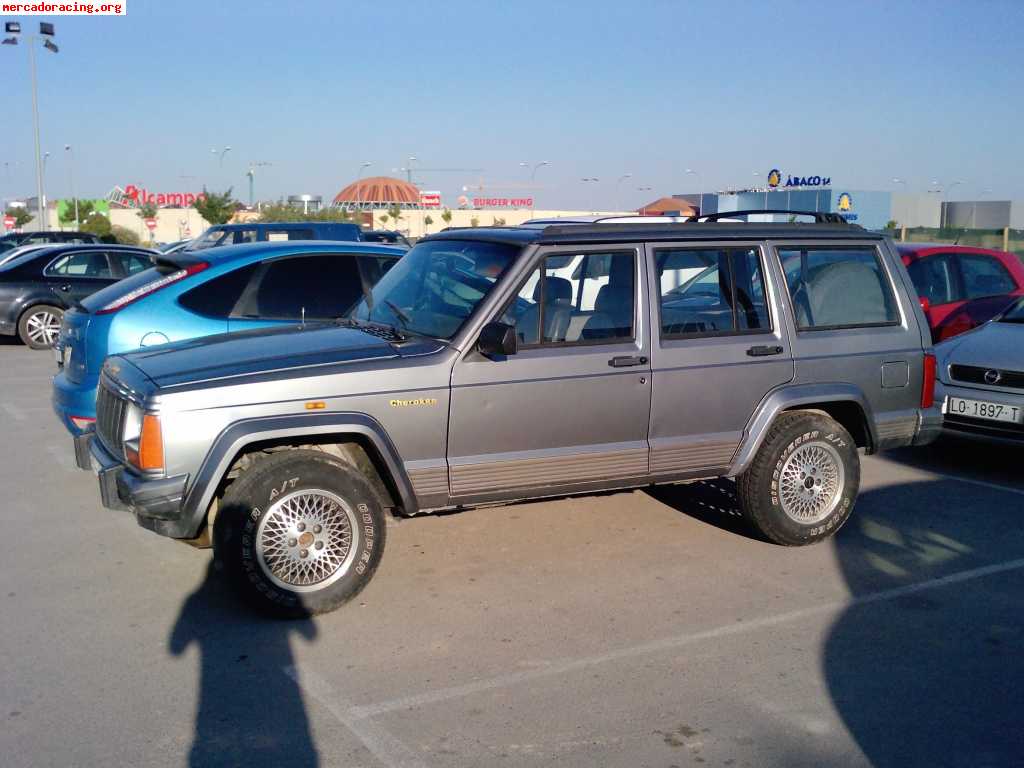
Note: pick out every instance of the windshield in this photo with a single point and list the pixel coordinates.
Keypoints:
(1014, 314)
(210, 239)
(436, 286)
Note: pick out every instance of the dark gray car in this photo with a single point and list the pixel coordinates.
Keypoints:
(513, 363)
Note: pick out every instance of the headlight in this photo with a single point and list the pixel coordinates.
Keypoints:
(143, 440)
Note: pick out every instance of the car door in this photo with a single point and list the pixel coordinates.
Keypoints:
(937, 279)
(718, 348)
(76, 274)
(569, 411)
(319, 286)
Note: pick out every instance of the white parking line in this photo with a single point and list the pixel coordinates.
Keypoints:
(352, 716)
(384, 746)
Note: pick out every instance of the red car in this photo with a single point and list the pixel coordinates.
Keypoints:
(962, 287)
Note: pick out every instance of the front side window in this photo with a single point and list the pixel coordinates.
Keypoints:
(838, 287)
(984, 276)
(933, 278)
(436, 286)
(576, 299)
(711, 291)
(317, 287)
(83, 264)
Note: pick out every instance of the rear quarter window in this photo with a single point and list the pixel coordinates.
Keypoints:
(840, 287)
(218, 296)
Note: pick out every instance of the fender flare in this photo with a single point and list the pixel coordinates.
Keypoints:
(239, 434)
(792, 396)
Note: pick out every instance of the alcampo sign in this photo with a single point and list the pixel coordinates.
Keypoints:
(775, 180)
(141, 196)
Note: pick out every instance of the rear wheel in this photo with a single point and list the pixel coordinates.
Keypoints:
(39, 326)
(802, 484)
(300, 533)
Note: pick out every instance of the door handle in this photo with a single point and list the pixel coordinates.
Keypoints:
(624, 361)
(65, 288)
(764, 350)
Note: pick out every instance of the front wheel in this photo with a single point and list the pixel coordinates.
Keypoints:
(802, 484)
(300, 533)
(39, 326)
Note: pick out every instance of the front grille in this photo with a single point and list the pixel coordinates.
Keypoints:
(110, 415)
(975, 375)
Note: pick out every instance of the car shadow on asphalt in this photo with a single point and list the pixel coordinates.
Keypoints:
(250, 712)
(924, 665)
(963, 457)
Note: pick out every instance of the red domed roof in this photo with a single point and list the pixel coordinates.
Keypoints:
(379, 189)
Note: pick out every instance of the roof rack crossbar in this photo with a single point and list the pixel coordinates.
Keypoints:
(820, 217)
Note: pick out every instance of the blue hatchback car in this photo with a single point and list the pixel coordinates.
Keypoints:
(200, 293)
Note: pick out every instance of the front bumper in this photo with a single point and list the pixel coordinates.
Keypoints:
(156, 502)
(980, 429)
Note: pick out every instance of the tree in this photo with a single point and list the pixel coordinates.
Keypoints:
(97, 223)
(85, 208)
(474, 222)
(279, 211)
(892, 224)
(446, 217)
(427, 221)
(216, 209)
(499, 221)
(147, 211)
(124, 236)
(396, 213)
(384, 219)
(21, 216)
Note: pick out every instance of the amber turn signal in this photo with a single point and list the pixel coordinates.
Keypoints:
(151, 444)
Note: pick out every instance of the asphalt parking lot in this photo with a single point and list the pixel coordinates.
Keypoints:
(628, 629)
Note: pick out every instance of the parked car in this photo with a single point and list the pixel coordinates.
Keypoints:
(13, 240)
(961, 287)
(173, 247)
(13, 253)
(37, 287)
(261, 231)
(188, 294)
(385, 236)
(982, 379)
(471, 375)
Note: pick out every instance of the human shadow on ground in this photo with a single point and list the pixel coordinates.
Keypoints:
(250, 712)
(925, 665)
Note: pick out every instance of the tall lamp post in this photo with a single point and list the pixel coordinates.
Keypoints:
(618, 181)
(46, 31)
(588, 180)
(252, 179)
(974, 207)
(700, 180)
(533, 176)
(359, 190)
(71, 178)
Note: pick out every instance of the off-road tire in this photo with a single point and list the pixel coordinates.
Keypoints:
(265, 523)
(766, 484)
(26, 331)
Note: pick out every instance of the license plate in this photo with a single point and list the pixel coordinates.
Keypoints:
(982, 409)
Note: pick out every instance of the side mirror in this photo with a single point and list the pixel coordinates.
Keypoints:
(925, 303)
(497, 339)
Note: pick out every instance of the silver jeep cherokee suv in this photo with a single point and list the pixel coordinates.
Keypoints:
(513, 363)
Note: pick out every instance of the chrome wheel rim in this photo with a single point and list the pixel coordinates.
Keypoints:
(305, 541)
(43, 328)
(811, 482)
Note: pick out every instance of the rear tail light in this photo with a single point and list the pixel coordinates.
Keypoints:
(82, 422)
(928, 381)
(153, 287)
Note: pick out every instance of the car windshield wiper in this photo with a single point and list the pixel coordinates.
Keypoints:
(400, 313)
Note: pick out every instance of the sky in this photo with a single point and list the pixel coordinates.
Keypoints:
(862, 92)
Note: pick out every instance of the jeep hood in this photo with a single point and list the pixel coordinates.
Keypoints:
(267, 351)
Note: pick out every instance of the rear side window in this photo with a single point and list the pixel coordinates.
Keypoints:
(217, 297)
(131, 263)
(83, 264)
(713, 291)
(838, 288)
(984, 276)
(315, 287)
(934, 278)
(289, 234)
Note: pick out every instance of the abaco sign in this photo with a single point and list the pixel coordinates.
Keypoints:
(775, 180)
(142, 196)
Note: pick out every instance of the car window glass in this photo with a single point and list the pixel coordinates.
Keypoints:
(711, 291)
(576, 298)
(131, 263)
(82, 264)
(984, 276)
(289, 234)
(245, 236)
(217, 297)
(838, 287)
(933, 279)
(315, 287)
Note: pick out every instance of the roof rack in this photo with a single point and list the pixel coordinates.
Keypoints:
(820, 217)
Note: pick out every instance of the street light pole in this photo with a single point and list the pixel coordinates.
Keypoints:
(588, 179)
(533, 176)
(974, 208)
(71, 178)
(35, 126)
(700, 180)
(618, 201)
(359, 191)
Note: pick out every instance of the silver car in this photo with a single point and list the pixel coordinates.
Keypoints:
(495, 364)
(982, 379)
